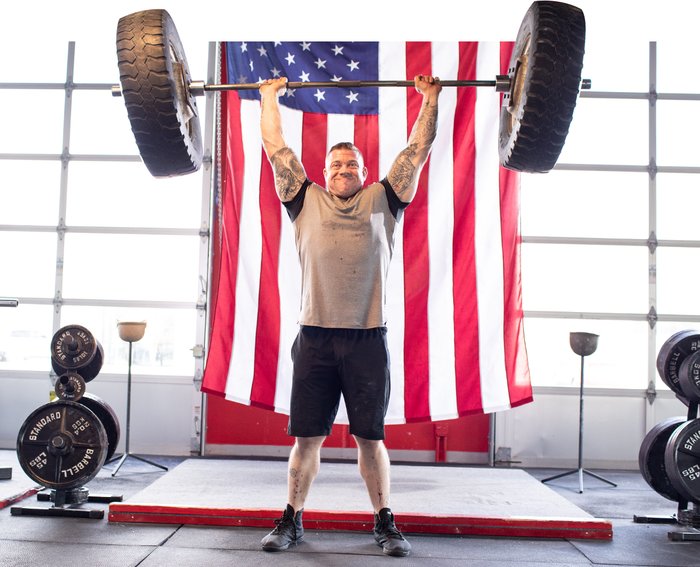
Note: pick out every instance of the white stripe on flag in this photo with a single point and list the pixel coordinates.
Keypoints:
(392, 139)
(288, 277)
(488, 243)
(249, 255)
(443, 387)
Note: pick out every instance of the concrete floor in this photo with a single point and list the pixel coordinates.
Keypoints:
(88, 542)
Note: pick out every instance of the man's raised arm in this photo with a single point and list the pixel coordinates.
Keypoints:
(403, 175)
(289, 173)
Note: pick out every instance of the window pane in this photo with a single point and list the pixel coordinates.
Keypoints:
(601, 65)
(99, 124)
(608, 132)
(677, 144)
(678, 202)
(28, 261)
(677, 272)
(127, 195)
(137, 267)
(34, 119)
(29, 192)
(25, 338)
(588, 203)
(672, 59)
(96, 60)
(165, 347)
(22, 66)
(584, 278)
(554, 363)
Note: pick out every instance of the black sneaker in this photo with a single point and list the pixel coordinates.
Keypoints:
(388, 536)
(288, 530)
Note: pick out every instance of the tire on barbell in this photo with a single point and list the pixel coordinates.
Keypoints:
(155, 79)
(545, 72)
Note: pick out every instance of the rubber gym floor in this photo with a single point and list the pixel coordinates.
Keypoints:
(57, 541)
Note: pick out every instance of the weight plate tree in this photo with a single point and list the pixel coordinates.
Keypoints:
(62, 445)
(682, 460)
(107, 417)
(651, 458)
(672, 354)
(155, 82)
(541, 89)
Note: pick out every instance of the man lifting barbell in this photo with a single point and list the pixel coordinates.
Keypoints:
(345, 237)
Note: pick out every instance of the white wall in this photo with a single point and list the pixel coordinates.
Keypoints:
(541, 434)
(545, 432)
(161, 408)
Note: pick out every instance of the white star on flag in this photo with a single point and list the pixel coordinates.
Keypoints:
(352, 97)
(354, 65)
(320, 95)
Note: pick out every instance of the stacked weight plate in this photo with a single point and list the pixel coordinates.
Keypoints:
(669, 457)
(62, 445)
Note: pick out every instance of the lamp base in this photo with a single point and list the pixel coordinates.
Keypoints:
(122, 459)
(580, 472)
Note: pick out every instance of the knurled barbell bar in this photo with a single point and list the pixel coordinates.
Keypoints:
(539, 92)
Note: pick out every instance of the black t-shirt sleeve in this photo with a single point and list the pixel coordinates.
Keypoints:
(294, 206)
(396, 205)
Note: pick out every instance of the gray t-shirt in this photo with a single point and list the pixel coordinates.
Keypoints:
(344, 246)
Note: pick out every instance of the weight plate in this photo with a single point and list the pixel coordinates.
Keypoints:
(682, 460)
(651, 457)
(69, 386)
(62, 445)
(672, 353)
(72, 347)
(155, 82)
(689, 377)
(109, 420)
(545, 74)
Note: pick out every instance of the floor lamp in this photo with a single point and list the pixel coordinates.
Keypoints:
(582, 344)
(131, 332)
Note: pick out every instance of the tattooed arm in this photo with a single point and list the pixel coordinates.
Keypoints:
(289, 173)
(403, 175)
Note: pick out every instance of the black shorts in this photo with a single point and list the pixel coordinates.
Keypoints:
(330, 361)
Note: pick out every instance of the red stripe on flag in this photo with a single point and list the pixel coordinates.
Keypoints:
(267, 336)
(223, 312)
(416, 262)
(517, 371)
(314, 142)
(367, 140)
(466, 311)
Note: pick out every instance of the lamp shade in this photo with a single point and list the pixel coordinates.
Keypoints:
(583, 344)
(131, 331)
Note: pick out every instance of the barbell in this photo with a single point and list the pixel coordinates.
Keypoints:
(539, 92)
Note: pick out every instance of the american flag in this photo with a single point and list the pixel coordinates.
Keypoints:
(454, 303)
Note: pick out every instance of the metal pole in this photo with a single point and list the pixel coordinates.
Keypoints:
(580, 434)
(128, 403)
(343, 84)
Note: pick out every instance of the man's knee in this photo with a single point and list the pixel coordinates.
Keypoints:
(369, 446)
(309, 445)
